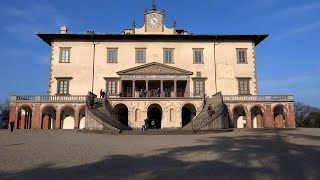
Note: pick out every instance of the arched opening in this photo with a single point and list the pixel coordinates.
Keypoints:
(48, 118)
(187, 114)
(82, 118)
(155, 116)
(239, 117)
(257, 117)
(24, 118)
(279, 113)
(121, 113)
(67, 118)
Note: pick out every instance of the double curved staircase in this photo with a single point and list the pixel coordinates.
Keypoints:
(101, 116)
(203, 121)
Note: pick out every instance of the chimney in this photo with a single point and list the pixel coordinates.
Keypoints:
(63, 29)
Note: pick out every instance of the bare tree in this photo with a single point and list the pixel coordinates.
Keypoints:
(5, 110)
(306, 116)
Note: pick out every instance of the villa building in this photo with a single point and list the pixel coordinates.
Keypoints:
(154, 72)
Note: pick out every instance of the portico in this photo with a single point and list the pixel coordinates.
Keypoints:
(154, 80)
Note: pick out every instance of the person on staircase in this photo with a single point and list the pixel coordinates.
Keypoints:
(210, 110)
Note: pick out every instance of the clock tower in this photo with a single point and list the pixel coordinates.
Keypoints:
(153, 23)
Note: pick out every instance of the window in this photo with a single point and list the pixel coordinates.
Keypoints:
(64, 55)
(63, 85)
(242, 56)
(168, 55)
(244, 86)
(112, 84)
(112, 55)
(111, 89)
(140, 55)
(199, 87)
(197, 56)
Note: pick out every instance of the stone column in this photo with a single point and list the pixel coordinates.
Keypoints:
(13, 116)
(147, 84)
(28, 118)
(76, 119)
(35, 118)
(161, 88)
(268, 120)
(58, 123)
(248, 121)
(174, 88)
(133, 88)
(187, 94)
(120, 87)
(147, 88)
(291, 122)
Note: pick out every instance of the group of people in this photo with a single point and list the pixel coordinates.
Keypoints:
(146, 124)
(150, 93)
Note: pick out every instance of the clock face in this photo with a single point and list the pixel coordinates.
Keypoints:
(154, 20)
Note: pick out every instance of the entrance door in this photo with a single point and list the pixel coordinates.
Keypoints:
(154, 116)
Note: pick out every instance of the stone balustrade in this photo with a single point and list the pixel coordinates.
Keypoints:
(259, 98)
(82, 98)
(44, 99)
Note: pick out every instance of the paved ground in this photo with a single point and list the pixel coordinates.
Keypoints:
(241, 154)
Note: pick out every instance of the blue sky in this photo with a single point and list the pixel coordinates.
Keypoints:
(287, 61)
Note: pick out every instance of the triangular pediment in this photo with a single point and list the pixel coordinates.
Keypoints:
(154, 68)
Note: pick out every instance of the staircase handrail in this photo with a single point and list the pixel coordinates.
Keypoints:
(206, 119)
(204, 116)
(105, 117)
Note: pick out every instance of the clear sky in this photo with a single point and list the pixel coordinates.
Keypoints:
(288, 61)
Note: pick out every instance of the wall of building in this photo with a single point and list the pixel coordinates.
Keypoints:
(81, 63)
(268, 113)
(138, 110)
(63, 115)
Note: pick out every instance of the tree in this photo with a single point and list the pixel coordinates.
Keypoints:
(5, 110)
(306, 116)
(314, 119)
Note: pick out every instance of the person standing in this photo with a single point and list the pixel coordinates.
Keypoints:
(100, 93)
(153, 123)
(210, 110)
(11, 125)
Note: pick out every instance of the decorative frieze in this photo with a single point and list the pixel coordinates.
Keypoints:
(154, 77)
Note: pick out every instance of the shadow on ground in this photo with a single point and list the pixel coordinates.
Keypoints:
(253, 156)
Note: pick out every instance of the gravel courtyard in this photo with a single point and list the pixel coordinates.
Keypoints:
(241, 154)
